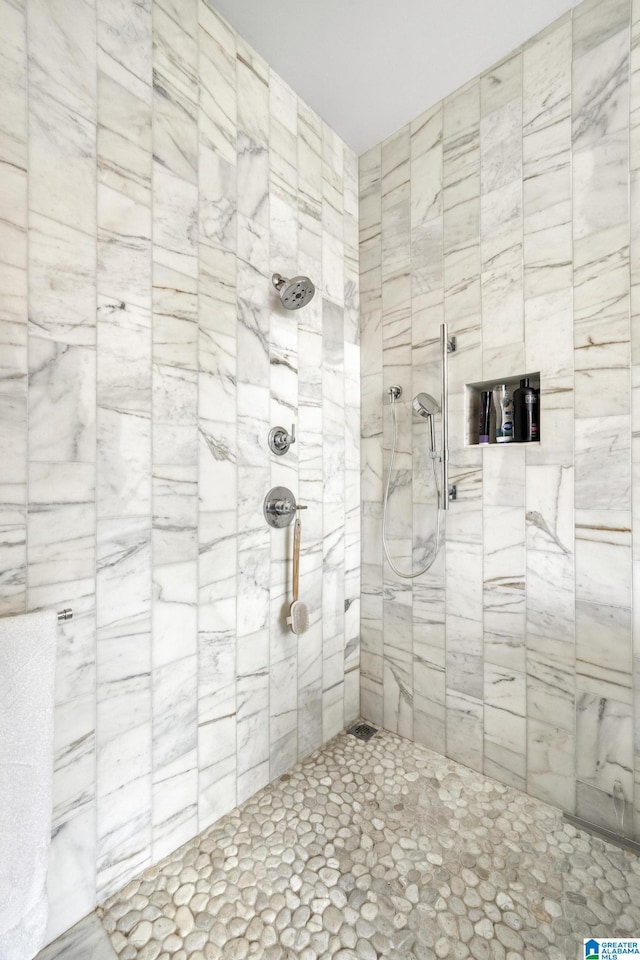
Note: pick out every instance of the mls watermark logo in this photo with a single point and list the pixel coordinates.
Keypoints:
(611, 949)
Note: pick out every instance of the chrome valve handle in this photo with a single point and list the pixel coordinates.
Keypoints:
(280, 440)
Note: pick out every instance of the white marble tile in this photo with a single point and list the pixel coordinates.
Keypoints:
(603, 556)
(217, 790)
(551, 588)
(123, 802)
(175, 611)
(550, 763)
(62, 527)
(602, 463)
(175, 763)
(217, 469)
(600, 185)
(600, 90)
(74, 779)
(604, 743)
(252, 93)
(125, 43)
(549, 503)
(217, 82)
(73, 944)
(62, 54)
(426, 166)
(253, 721)
(464, 656)
(551, 681)
(175, 810)
(504, 712)
(464, 729)
(124, 408)
(595, 21)
(71, 888)
(253, 179)
(604, 651)
(62, 164)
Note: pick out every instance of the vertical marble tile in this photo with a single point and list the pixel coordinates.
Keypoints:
(604, 650)
(550, 764)
(603, 557)
(504, 598)
(13, 309)
(217, 625)
(175, 755)
(71, 875)
(124, 264)
(464, 729)
(175, 404)
(62, 220)
(123, 674)
(501, 205)
(604, 752)
(505, 735)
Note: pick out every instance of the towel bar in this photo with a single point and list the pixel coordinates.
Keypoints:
(66, 614)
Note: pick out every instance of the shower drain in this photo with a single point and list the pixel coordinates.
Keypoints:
(363, 731)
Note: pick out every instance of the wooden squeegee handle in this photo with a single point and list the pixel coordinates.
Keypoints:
(296, 558)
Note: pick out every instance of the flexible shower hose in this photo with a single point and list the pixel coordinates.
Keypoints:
(398, 573)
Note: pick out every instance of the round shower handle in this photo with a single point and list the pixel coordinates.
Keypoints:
(280, 440)
(279, 507)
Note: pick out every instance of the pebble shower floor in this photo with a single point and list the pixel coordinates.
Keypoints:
(380, 849)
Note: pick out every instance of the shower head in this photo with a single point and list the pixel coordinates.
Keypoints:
(424, 405)
(294, 293)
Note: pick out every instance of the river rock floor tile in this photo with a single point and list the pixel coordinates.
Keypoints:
(380, 849)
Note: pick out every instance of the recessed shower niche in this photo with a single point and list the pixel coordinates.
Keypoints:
(473, 408)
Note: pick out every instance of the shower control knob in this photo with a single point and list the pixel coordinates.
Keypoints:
(279, 507)
(280, 440)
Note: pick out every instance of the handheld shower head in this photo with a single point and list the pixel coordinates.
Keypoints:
(424, 405)
(294, 293)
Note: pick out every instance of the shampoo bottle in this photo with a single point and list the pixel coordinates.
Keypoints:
(525, 411)
(505, 434)
(485, 417)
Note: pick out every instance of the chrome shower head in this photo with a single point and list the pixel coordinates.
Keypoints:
(424, 405)
(294, 293)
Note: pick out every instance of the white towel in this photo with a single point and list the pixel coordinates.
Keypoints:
(27, 678)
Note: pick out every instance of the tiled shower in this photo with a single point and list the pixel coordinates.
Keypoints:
(510, 211)
(155, 173)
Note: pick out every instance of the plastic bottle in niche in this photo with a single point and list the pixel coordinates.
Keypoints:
(526, 410)
(504, 415)
(485, 417)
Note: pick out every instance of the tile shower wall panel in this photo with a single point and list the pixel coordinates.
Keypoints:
(144, 357)
(517, 653)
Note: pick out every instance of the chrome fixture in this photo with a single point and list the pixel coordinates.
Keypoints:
(446, 346)
(425, 406)
(280, 507)
(66, 614)
(294, 293)
(280, 440)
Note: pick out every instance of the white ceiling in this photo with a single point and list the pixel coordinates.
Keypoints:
(369, 66)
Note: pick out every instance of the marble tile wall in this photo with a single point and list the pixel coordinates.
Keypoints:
(510, 210)
(161, 172)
